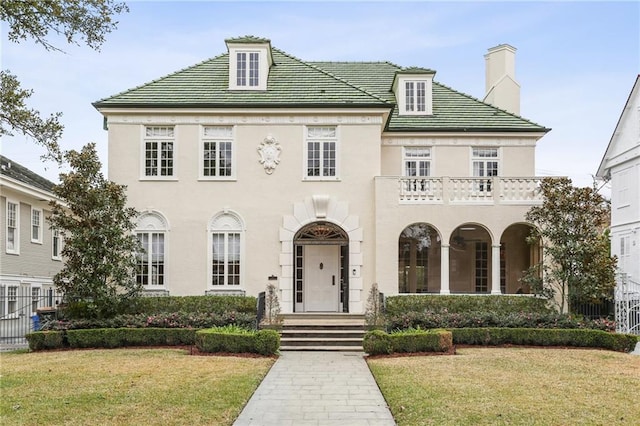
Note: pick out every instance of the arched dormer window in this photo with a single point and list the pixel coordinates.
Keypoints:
(151, 230)
(226, 241)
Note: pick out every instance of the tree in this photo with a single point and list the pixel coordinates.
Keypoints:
(87, 21)
(571, 225)
(99, 246)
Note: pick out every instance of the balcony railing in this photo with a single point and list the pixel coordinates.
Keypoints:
(451, 190)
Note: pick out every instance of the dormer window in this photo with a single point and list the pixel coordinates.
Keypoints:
(249, 63)
(248, 70)
(412, 88)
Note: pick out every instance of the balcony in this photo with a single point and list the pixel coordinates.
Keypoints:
(468, 190)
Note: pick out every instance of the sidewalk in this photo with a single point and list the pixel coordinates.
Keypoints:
(317, 388)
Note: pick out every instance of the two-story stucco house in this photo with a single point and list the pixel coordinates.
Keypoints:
(30, 253)
(621, 166)
(324, 178)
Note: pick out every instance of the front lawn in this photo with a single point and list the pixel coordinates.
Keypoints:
(516, 386)
(125, 387)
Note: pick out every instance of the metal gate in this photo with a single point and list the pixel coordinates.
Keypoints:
(19, 304)
(627, 298)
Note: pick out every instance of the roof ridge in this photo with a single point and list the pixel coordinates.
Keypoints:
(160, 78)
(473, 98)
(335, 77)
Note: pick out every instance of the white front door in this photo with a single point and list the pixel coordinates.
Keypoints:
(322, 278)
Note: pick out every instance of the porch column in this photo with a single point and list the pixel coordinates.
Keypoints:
(444, 269)
(495, 269)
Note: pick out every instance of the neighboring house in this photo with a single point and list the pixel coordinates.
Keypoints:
(621, 166)
(29, 251)
(324, 178)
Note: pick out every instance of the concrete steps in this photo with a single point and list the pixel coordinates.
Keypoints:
(322, 332)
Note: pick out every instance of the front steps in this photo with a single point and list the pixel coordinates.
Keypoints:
(322, 332)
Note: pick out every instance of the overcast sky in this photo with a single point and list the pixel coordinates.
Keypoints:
(576, 61)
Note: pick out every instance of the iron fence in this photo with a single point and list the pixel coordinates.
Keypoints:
(22, 310)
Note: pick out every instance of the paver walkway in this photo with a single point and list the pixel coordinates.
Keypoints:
(317, 388)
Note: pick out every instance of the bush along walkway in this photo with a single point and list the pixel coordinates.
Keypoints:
(317, 388)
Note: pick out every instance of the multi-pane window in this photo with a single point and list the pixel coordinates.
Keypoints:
(217, 151)
(247, 69)
(417, 161)
(321, 152)
(415, 96)
(35, 299)
(36, 225)
(13, 228)
(12, 300)
(485, 164)
(56, 244)
(159, 151)
(225, 261)
(150, 262)
(482, 267)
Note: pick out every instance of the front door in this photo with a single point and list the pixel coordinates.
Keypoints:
(322, 278)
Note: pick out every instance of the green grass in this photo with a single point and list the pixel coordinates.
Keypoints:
(125, 387)
(515, 386)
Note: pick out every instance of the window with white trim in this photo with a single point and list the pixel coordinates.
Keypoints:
(247, 69)
(415, 93)
(622, 187)
(8, 301)
(217, 152)
(36, 225)
(321, 153)
(35, 299)
(151, 231)
(13, 227)
(417, 161)
(485, 163)
(56, 245)
(226, 250)
(625, 252)
(158, 146)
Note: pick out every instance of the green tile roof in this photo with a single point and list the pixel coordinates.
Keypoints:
(11, 169)
(294, 83)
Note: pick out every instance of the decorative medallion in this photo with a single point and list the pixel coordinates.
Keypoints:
(269, 151)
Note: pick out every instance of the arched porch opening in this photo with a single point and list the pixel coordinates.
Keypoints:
(517, 254)
(470, 259)
(419, 263)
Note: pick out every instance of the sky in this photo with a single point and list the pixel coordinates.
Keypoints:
(576, 61)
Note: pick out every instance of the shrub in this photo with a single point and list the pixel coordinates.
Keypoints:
(545, 337)
(41, 340)
(399, 305)
(123, 337)
(237, 340)
(377, 342)
(194, 304)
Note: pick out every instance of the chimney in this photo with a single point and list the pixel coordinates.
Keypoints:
(502, 89)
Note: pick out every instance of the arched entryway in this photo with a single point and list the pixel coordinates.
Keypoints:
(419, 250)
(470, 259)
(321, 280)
(517, 254)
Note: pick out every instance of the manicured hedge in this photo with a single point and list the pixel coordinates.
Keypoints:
(439, 319)
(42, 340)
(194, 304)
(123, 337)
(545, 337)
(264, 342)
(378, 342)
(398, 305)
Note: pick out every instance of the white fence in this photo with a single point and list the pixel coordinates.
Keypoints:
(627, 298)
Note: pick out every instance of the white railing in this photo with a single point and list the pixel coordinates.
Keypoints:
(490, 190)
(627, 299)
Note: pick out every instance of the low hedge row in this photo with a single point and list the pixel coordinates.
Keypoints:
(162, 320)
(398, 305)
(195, 304)
(377, 342)
(110, 338)
(545, 337)
(221, 339)
(438, 319)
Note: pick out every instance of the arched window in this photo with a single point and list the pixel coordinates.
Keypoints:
(151, 231)
(226, 238)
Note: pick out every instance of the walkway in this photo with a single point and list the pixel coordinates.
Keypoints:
(317, 388)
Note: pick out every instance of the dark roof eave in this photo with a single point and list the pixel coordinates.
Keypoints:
(468, 130)
(99, 105)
